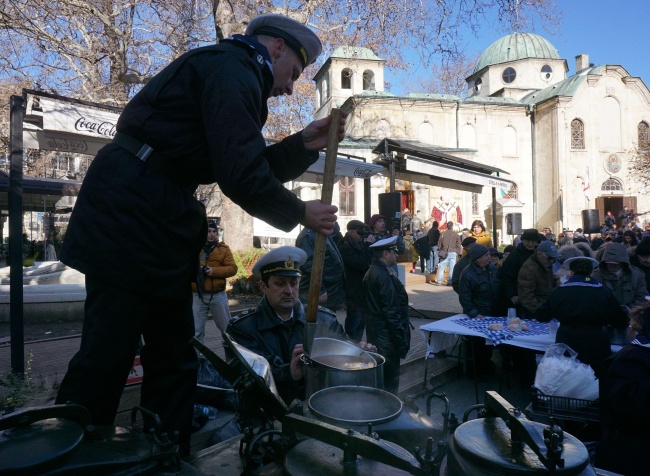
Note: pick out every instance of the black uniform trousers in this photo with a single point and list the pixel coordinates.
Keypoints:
(114, 319)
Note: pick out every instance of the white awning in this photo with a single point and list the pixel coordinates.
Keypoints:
(344, 168)
(446, 172)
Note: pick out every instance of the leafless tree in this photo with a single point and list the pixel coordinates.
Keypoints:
(104, 50)
(449, 78)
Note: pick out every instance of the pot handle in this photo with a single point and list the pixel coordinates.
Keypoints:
(306, 360)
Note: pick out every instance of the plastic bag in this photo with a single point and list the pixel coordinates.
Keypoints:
(560, 373)
(212, 388)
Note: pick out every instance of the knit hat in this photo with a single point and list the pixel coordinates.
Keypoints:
(531, 234)
(468, 241)
(477, 251)
(374, 219)
(643, 248)
(356, 225)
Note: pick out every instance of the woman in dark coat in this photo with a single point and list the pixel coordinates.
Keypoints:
(583, 306)
(624, 402)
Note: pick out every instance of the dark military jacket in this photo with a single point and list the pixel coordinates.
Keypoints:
(261, 330)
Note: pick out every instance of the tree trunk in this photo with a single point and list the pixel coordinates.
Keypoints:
(237, 226)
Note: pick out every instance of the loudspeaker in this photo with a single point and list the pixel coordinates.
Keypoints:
(591, 221)
(513, 223)
(390, 205)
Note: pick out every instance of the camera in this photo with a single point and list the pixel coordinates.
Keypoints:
(363, 232)
(205, 269)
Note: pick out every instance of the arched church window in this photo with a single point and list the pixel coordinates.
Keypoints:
(577, 134)
(346, 79)
(477, 85)
(612, 185)
(368, 81)
(509, 75)
(346, 196)
(644, 135)
(547, 73)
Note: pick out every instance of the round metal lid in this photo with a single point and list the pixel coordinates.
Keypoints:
(485, 443)
(355, 405)
(310, 457)
(39, 446)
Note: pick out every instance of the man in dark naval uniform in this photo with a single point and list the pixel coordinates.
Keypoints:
(274, 329)
(387, 321)
(136, 228)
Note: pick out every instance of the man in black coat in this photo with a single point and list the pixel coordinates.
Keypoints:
(137, 229)
(509, 272)
(462, 263)
(434, 236)
(387, 321)
(356, 261)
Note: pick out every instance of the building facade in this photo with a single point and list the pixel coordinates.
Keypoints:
(564, 141)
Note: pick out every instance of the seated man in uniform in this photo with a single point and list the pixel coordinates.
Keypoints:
(274, 329)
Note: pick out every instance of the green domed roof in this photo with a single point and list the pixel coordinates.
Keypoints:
(354, 52)
(515, 47)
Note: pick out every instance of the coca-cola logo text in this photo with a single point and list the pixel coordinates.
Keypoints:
(104, 128)
(57, 143)
(362, 172)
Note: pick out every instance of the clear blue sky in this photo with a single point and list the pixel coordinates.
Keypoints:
(609, 31)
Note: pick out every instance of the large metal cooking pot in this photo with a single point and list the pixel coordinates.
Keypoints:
(355, 405)
(484, 446)
(333, 363)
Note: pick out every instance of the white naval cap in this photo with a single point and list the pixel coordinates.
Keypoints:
(296, 35)
(385, 244)
(282, 261)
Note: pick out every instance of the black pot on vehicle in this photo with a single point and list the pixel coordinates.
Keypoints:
(484, 446)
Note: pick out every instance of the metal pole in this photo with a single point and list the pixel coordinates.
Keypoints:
(17, 328)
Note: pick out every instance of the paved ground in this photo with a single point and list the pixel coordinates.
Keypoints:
(47, 359)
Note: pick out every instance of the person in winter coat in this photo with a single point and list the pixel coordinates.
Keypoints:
(583, 306)
(509, 272)
(332, 289)
(479, 297)
(434, 236)
(387, 309)
(536, 278)
(478, 232)
(462, 263)
(626, 282)
(640, 257)
(198, 121)
(216, 264)
(356, 261)
(624, 394)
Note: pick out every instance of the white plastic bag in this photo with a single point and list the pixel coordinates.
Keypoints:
(559, 373)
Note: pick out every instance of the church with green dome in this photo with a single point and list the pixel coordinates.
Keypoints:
(528, 138)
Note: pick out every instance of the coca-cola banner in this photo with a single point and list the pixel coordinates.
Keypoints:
(66, 117)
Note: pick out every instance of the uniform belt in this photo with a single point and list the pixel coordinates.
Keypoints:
(138, 148)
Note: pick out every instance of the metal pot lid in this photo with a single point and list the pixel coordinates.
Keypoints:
(311, 457)
(485, 443)
(39, 446)
(355, 405)
(340, 355)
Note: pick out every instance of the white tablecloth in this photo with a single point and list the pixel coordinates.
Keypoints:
(443, 334)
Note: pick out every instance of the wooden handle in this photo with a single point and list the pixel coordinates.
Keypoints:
(318, 259)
